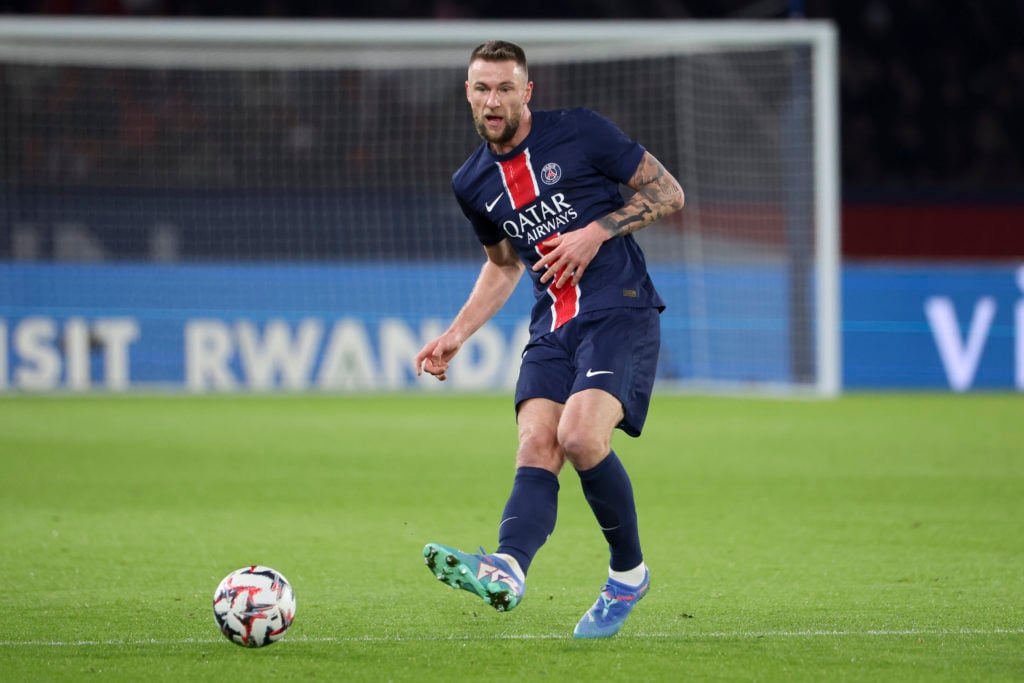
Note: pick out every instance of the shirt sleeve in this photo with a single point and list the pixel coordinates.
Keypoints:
(609, 149)
(487, 232)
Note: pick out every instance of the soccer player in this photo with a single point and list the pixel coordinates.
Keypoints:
(543, 195)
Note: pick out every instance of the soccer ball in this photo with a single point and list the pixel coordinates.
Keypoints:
(254, 606)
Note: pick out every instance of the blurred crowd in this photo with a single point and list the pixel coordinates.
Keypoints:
(932, 93)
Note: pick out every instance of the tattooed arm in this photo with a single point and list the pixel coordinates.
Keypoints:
(657, 195)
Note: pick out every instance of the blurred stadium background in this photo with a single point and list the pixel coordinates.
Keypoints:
(932, 178)
(931, 91)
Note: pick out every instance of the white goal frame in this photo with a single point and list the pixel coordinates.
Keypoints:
(334, 43)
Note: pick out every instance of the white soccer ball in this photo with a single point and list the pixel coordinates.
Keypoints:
(254, 606)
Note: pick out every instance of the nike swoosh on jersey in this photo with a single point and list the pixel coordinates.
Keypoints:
(592, 373)
(490, 205)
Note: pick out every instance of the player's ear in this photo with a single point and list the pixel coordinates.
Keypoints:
(467, 90)
(528, 93)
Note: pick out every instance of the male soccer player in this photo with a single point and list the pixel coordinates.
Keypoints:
(543, 193)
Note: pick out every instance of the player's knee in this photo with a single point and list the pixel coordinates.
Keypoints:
(584, 448)
(539, 448)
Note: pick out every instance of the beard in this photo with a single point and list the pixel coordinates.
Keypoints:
(506, 134)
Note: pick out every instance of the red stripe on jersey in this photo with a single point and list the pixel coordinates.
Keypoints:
(517, 176)
(566, 299)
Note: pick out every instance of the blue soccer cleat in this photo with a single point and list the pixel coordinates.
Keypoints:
(612, 608)
(488, 576)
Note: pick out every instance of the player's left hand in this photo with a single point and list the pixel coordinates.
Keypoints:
(567, 255)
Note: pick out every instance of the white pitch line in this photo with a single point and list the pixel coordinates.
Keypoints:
(713, 635)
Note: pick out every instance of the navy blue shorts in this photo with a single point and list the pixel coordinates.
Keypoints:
(614, 349)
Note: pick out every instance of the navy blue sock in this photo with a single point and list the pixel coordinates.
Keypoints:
(529, 516)
(610, 493)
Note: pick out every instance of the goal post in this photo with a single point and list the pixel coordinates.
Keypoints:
(247, 205)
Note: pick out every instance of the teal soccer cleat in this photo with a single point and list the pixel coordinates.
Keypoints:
(488, 576)
(612, 608)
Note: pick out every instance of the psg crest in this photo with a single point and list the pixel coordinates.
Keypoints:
(551, 173)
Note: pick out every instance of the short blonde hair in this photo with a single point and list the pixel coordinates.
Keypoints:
(500, 51)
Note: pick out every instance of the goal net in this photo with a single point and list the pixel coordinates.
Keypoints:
(242, 205)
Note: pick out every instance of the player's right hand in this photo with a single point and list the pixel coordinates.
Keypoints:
(434, 366)
(433, 358)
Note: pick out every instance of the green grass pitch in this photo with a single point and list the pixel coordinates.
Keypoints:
(869, 538)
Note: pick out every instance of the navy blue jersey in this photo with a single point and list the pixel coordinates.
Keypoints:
(565, 174)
